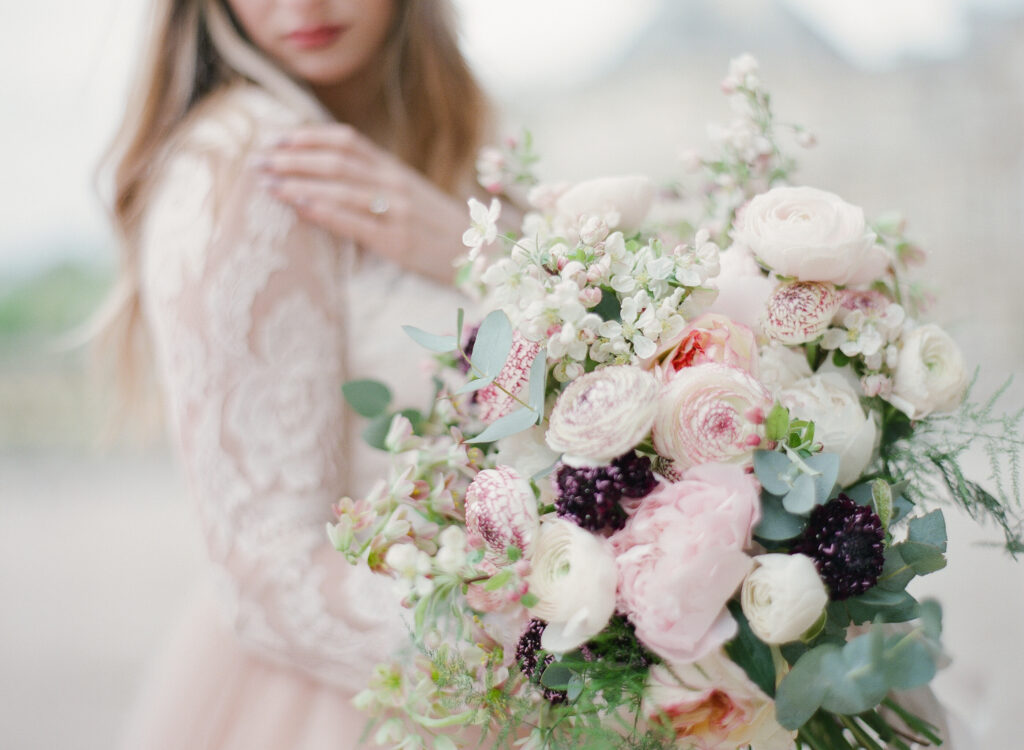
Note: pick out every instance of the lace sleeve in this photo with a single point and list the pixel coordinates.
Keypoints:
(245, 303)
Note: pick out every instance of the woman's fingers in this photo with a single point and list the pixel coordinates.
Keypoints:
(314, 162)
(300, 191)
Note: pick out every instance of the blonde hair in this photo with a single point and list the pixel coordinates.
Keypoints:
(437, 116)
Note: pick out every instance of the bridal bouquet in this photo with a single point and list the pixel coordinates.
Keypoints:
(677, 480)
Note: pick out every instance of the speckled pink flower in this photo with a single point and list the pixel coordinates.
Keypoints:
(493, 402)
(502, 510)
(799, 311)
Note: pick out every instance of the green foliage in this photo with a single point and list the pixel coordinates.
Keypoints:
(929, 458)
(856, 677)
(751, 653)
(369, 398)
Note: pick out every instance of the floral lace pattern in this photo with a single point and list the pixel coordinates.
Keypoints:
(249, 311)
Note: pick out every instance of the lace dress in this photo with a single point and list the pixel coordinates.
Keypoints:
(257, 319)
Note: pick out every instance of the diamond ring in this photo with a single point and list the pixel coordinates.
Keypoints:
(379, 205)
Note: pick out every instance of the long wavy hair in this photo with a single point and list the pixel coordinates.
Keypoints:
(436, 112)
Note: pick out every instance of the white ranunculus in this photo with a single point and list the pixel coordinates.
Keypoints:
(622, 201)
(603, 414)
(782, 597)
(526, 451)
(574, 577)
(840, 424)
(811, 235)
(779, 366)
(930, 375)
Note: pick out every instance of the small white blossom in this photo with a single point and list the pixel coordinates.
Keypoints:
(484, 227)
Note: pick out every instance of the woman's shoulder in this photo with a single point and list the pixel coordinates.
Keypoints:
(233, 120)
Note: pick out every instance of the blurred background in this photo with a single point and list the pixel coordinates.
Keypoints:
(916, 104)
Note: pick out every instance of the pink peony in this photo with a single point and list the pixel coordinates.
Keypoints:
(681, 557)
(713, 705)
(714, 338)
(493, 401)
(710, 413)
(502, 510)
(799, 311)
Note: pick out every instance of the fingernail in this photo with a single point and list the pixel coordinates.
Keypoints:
(259, 162)
(280, 141)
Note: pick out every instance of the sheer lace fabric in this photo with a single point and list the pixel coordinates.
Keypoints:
(257, 320)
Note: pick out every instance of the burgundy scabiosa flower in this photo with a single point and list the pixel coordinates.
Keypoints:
(527, 657)
(589, 496)
(845, 540)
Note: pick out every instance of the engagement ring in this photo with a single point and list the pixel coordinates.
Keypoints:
(379, 205)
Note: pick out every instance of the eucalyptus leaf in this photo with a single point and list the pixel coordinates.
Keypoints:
(492, 345)
(431, 341)
(556, 676)
(908, 662)
(827, 464)
(774, 470)
(575, 687)
(896, 573)
(930, 612)
(777, 524)
(474, 385)
(538, 379)
(369, 398)
(922, 558)
(800, 499)
(510, 424)
(799, 694)
(929, 529)
(375, 433)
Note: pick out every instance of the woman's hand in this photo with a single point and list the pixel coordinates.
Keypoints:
(339, 179)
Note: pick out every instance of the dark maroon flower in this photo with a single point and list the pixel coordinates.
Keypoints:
(589, 496)
(846, 542)
(527, 657)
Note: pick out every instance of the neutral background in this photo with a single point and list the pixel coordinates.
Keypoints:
(917, 105)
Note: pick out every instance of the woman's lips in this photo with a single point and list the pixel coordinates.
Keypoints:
(314, 37)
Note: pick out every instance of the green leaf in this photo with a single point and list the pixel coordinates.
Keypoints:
(776, 426)
(556, 676)
(444, 742)
(930, 612)
(774, 471)
(474, 385)
(777, 524)
(510, 424)
(375, 432)
(369, 398)
(538, 378)
(431, 341)
(575, 687)
(929, 529)
(922, 558)
(896, 573)
(908, 662)
(828, 466)
(881, 499)
(747, 650)
(800, 499)
(498, 580)
(492, 345)
(800, 693)
(529, 600)
(609, 308)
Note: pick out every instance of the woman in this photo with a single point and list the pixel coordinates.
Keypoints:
(272, 253)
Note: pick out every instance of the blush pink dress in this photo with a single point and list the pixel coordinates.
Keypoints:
(257, 318)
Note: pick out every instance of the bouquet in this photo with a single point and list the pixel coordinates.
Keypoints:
(676, 481)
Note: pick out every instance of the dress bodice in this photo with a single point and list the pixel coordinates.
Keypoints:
(257, 318)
